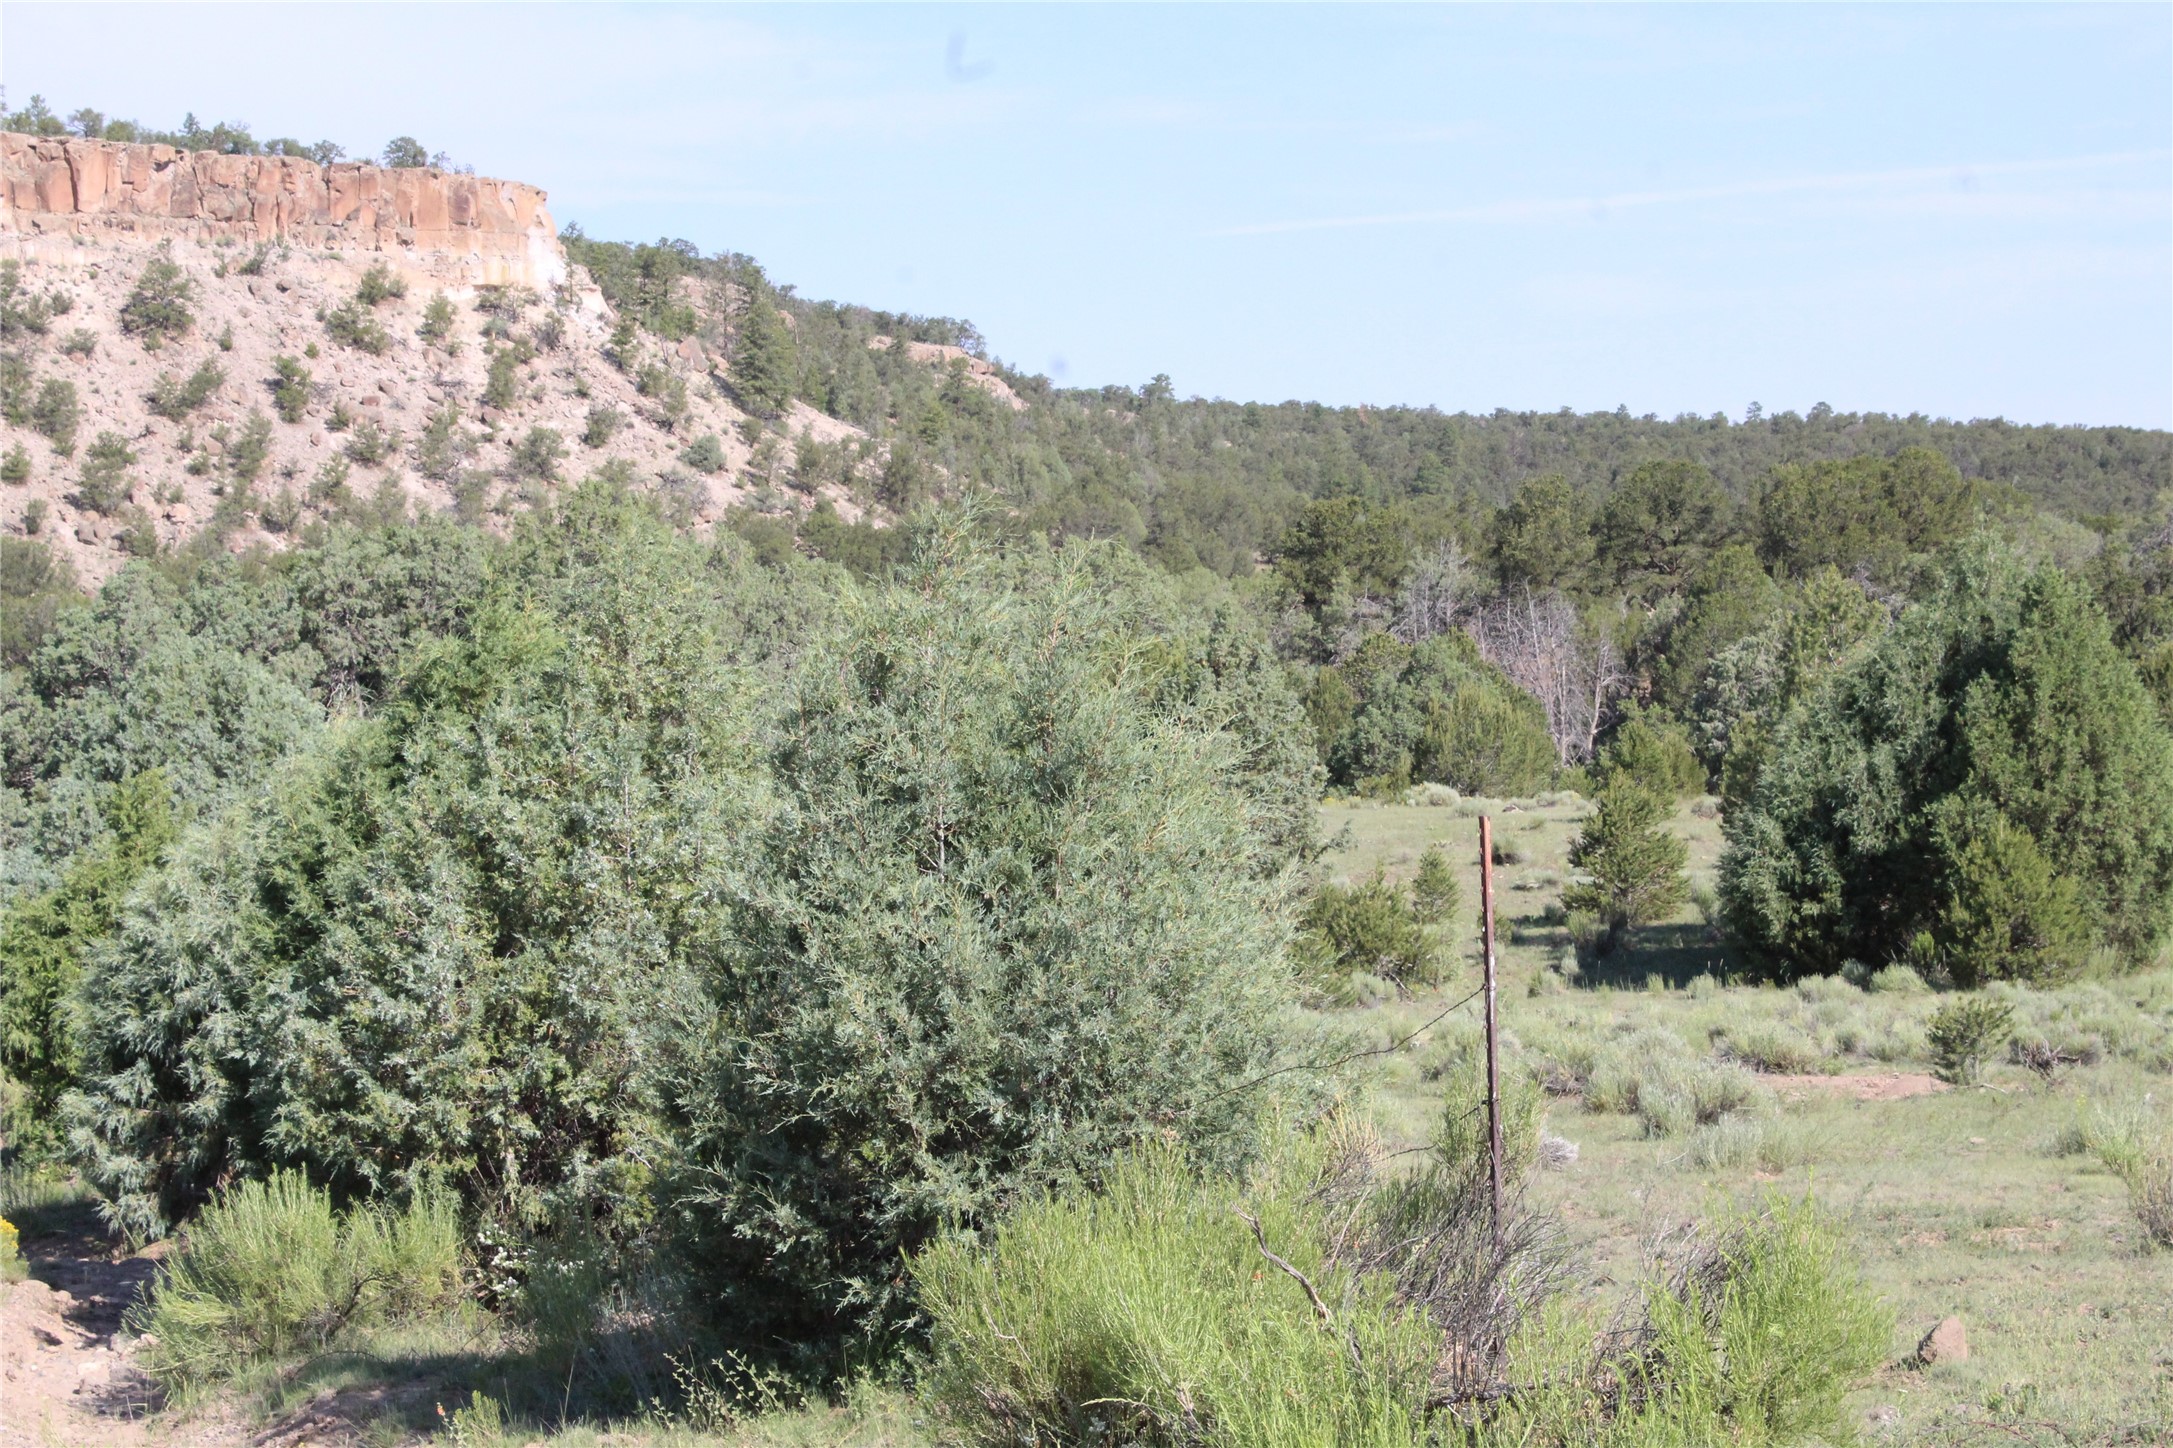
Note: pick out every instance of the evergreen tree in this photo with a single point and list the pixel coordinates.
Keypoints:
(1632, 864)
(762, 362)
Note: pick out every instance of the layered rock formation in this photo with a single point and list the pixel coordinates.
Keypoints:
(56, 191)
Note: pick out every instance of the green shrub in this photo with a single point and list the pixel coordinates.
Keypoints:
(272, 1271)
(2009, 916)
(45, 938)
(436, 327)
(15, 466)
(174, 398)
(502, 387)
(353, 324)
(1434, 890)
(251, 448)
(105, 483)
(1758, 1339)
(371, 443)
(290, 388)
(1963, 1032)
(1147, 1313)
(445, 445)
(34, 513)
(569, 774)
(158, 305)
(56, 414)
(1653, 752)
(604, 422)
(705, 454)
(1373, 927)
(536, 455)
(378, 284)
(1061, 873)
(1633, 865)
(81, 342)
(1486, 739)
(22, 314)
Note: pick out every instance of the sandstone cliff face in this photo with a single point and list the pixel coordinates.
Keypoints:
(518, 380)
(56, 192)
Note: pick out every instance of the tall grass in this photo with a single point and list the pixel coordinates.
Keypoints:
(273, 1271)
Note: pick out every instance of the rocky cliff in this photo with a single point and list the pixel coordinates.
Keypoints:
(55, 191)
(331, 337)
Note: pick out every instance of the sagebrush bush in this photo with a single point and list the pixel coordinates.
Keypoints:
(273, 1270)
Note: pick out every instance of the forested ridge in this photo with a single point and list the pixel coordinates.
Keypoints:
(730, 933)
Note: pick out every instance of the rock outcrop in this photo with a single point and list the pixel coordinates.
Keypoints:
(58, 191)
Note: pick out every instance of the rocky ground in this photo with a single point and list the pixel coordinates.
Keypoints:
(362, 427)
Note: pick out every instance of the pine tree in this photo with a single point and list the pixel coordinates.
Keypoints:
(1433, 889)
(762, 358)
(1635, 867)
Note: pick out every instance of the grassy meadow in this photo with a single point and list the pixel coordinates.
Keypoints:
(1986, 1203)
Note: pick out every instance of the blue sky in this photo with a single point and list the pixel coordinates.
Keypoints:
(1953, 209)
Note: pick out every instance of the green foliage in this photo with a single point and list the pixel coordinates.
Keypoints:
(537, 455)
(1343, 544)
(502, 386)
(2000, 692)
(1759, 1340)
(1963, 1032)
(15, 466)
(642, 283)
(1660, 525)
(22, 314)
(1543, 539)
(763, 366)
(1867, 513)
(251, 448)
(705, 454)
(43, 940)
(371, 443)
(1435, 713)
(404, 153)
(2009, 915)
(158, 305)
(997, 822)
(1372, 927)
(603, 424)
(175, 398)
(104, 481)
(272, 1271)
(446, 943)
(1652, 752)
(378, 284)
(1434, 891)
(56, 414)
(436, 327)
(445, 445)
(353, 324)
(1147, 1314)
(81, 342)
(1633, 865)
(290, 388)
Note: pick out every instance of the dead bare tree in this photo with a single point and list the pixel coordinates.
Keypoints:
(1572, 670)
(1437, 593)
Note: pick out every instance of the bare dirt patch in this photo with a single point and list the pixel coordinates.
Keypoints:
(1883, 1086)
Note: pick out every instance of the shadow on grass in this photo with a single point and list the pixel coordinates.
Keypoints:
(1675, 955)
(416, 1386)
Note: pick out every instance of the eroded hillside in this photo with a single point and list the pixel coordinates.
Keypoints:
(244, 344)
